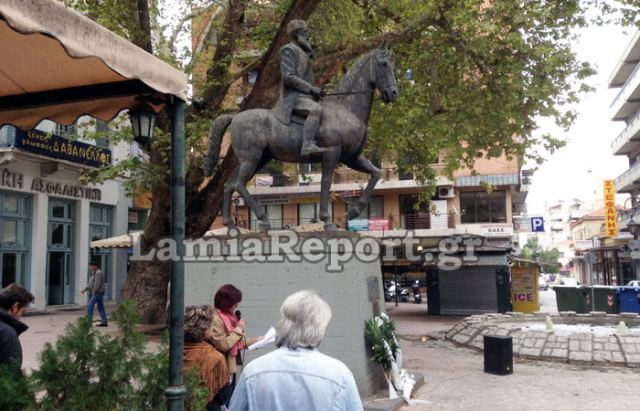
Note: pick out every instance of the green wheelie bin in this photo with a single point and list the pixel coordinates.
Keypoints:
(571, 298)
(605, 299)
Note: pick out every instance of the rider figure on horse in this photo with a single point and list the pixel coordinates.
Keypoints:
(299, 94)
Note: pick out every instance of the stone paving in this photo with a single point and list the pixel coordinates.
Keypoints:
(577, 348)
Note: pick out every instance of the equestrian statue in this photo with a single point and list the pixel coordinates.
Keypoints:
(308, 125)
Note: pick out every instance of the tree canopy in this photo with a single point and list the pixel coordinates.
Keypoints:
(475, 78)
(547, 258)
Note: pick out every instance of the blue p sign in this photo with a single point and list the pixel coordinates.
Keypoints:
(537, 224)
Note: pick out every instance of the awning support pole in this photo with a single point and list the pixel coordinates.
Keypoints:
(176, 391)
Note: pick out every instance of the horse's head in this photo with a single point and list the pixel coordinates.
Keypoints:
(383, 73)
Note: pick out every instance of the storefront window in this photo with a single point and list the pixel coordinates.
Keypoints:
(483, 207)
(14, 238)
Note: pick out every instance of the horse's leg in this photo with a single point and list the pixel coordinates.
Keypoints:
(226, 199)
(329, 162)
(246, 170)
(363, 164)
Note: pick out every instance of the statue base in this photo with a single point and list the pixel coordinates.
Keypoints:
(354, 293)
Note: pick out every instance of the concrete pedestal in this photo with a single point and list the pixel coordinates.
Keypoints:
(354, 294)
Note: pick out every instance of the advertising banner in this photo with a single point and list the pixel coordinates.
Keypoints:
(610, 217)
(524, 289)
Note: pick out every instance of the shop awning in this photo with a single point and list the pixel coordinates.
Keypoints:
(58, 64)
(120, 241)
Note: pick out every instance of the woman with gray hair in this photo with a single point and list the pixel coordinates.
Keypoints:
(297, 375)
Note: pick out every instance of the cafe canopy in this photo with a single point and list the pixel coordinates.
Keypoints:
(57, 64)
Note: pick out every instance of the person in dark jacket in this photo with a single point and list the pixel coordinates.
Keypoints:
(14, 301)
(96, 288)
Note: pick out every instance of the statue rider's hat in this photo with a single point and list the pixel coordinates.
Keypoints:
(296, 25)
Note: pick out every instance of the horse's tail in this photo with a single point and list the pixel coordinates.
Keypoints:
(216, 132)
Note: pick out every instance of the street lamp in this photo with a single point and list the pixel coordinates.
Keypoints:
(143, 120)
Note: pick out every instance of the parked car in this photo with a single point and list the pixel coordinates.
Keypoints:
(572, 282)
(542, 284)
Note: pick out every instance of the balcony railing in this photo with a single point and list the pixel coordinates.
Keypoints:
(626, 91)
(623, 143)
(628, 180)
(420, 221)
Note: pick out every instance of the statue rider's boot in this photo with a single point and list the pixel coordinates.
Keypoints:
(311, 126)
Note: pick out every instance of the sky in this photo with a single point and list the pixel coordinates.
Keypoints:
(578, 169)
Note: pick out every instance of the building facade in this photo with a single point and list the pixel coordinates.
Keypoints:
(48, 216)
(625, 107)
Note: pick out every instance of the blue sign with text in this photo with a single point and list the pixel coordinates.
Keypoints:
(537, 224)
(55, 146)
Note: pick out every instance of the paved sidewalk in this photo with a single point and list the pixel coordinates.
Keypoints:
(454, 377)
(45, 328)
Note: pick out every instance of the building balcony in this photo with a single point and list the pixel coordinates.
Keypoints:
(629, 180)
(628, 139)
(628, 60)
(626, 102)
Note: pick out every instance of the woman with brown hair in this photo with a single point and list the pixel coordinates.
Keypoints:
(209, 363)
(228, 331)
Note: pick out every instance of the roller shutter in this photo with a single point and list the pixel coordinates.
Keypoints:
(468, 290)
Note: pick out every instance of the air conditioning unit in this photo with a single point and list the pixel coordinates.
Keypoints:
(446, 192)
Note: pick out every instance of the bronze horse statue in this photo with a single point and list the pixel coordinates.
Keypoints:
(257, 136)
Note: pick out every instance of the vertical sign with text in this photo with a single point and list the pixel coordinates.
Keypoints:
(610, 217)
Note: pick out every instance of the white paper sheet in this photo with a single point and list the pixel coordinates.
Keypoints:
(269, 338)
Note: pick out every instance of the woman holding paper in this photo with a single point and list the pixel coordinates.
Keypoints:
(228, 331)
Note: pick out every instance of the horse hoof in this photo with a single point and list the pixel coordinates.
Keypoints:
(264, 227)
(330, 227)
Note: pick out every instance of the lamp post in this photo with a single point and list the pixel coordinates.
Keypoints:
(143, 119)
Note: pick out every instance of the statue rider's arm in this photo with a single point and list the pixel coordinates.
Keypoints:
(290, 77)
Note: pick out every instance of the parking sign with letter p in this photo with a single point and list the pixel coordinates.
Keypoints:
(537, 224)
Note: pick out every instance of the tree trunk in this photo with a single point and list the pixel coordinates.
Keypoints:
(147, 280)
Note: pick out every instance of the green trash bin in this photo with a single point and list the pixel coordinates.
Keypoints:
(605, 299)
(570, 298)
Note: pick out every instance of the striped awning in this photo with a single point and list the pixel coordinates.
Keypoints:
(490, 179)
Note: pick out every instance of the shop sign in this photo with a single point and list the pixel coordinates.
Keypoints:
(59, 147)
(524, 289)
(358, 225)
(67, 190)
(521, 224)
(378, 224)
(583, 244)
(133, 217)
(273, 200)
(10, 179)
(496, 230)
(610, 217)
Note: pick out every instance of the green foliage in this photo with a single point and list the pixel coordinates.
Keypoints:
(15, 392)
(377, 331)
(86, 369)
(547, 258)
(483, 73)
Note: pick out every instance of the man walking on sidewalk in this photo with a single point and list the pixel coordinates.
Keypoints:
(96, 288)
